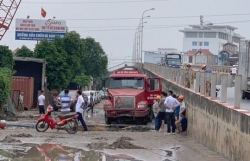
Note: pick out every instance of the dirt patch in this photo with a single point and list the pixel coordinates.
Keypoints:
(121, 143)
(137, 128)
(8, 139)
(116, 128)
(169, 153)
(101, 138)
(23, 135)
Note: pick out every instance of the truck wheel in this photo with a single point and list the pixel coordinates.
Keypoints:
(151, 116)
(247, 95)
(243, 95)
(107, 119)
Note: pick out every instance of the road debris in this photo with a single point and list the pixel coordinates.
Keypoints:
(121, 143)
(8, 139)
(22, 135)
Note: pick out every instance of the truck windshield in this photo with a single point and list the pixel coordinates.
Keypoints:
(137, 83)
(173, 62)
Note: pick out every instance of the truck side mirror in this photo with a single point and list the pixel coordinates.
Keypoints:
(152, 84)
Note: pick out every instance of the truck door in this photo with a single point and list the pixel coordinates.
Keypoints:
(154, 89)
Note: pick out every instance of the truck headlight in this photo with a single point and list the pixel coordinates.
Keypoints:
(107, 106)
(142, 106)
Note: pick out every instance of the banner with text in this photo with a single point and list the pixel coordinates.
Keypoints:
(35, 29)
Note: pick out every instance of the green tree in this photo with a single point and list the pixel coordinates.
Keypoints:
(5, 84)
(6, 57)
(57, 70)
(24, 52)
(75, 48)
(82, 80)
(95, 60)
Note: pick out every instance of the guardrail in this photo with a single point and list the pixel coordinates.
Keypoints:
(203, 83)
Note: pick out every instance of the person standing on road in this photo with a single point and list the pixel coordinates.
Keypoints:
(21, 98)
(65, 101)
(170, 104)
(162, 113)
(182, 106)
(233, 71)
(41, 103)
(156, 110)
(91, 103)
(85, 98)
(79, 109)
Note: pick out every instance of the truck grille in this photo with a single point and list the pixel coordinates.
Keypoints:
(124, 102)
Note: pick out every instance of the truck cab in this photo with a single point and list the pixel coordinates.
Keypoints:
(131, 96)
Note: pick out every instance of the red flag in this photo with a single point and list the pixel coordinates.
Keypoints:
(43, 12)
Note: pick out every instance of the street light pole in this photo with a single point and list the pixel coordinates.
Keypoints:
(142, 29)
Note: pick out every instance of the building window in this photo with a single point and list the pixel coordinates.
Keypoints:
(206, 43)
(194, 43)
(200, 43)
(191, 34)
(210, 35)
(190, 59)
(194, 49)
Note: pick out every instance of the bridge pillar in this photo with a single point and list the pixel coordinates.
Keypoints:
(237, 91)
(197, 82)
(224, 83)
(213, 85)
(202, 83)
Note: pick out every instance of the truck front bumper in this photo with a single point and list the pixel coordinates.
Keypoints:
(126, 113)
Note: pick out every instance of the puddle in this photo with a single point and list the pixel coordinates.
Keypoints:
(50, 152)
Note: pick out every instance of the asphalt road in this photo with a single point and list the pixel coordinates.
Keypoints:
(245, 104)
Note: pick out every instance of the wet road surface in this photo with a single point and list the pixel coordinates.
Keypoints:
(101, 143)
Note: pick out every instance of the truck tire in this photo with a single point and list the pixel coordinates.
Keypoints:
(107, 119)
(243, 95)
(151, 115)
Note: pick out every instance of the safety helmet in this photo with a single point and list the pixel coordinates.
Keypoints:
(203, 66)
(181, 97)
(50, 108)
(158, 97)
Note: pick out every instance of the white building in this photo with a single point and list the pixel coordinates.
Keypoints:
(211, 37)
(156, 57)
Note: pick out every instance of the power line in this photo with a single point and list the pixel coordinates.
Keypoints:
(95, 2)
(163, 17)
(153, 27)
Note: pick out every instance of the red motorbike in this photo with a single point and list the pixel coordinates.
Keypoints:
(67, 122)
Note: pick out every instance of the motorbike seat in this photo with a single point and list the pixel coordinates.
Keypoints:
(66, 116)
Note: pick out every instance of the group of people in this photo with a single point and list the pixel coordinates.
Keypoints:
(171, 110)
(66, 101)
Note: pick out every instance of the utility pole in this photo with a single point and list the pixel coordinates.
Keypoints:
(142, 17)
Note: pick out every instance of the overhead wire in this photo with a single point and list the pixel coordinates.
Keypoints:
(150, 27)
(161, 17)
(94, 2)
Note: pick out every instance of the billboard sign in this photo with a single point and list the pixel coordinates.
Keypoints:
(35, 29)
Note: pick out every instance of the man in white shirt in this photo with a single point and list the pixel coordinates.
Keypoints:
(79, 109)
(170, 103)
(41, 103)
(233, 71)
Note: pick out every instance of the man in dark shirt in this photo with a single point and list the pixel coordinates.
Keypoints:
(182, 124)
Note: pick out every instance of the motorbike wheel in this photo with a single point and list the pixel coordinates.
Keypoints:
(72, 127)
(44, 126)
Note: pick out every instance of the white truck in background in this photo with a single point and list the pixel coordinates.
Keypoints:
(244, 67)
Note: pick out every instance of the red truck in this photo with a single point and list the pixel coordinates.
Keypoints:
(131, 95)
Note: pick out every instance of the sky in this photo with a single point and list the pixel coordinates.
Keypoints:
(113, 22)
